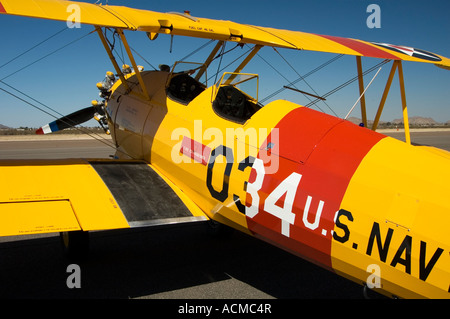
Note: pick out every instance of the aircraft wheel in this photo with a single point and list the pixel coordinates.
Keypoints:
(75, 244)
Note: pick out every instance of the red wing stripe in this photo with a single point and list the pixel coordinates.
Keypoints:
(2, 9)
(363, 48)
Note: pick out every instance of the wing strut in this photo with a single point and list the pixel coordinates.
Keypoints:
(404, 106)
(209, 59)
(361, 91)
(112, 58)
(396, 65)
(248, 58)
(252, 54)
(116, 66)
(133, 63)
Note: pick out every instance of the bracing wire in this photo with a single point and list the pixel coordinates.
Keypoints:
(197, 50)
(361, 95)
(304, 77)
(33, 47)
(283, 76)
(45, 106)
(48, 113)
(91, 134)
(304, 80)
(47, 55)
(40, 59)
(151, 65)
(220, 62)
(221, 56)
(340, 87)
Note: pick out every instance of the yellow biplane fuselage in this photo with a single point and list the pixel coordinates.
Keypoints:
(369, 207)
(364, 205)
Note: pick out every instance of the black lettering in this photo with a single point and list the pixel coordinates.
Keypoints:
(424, 268)
(248, 162)
(339, 224)
(404, 247)
(382, 248)
(228, 153)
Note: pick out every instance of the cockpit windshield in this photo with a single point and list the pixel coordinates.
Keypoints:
(186, 81)
(246, 83)
(237, 96)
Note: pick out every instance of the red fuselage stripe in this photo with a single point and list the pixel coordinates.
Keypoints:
(326, 152)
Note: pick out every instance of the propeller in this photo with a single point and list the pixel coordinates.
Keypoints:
(96, 111)
(70, 120)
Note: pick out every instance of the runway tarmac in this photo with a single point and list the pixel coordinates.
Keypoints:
(435, 138)
(28, 147)
(171, 262)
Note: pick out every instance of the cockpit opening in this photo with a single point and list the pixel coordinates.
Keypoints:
(237, 97)
(186, 81)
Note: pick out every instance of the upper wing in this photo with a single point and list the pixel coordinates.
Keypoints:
(62, 10)
(42, 196)
(186, 25)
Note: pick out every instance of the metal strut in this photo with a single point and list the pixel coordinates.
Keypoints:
(133, 63)
(112, 58)
(396, 65)
(244, 63)
(361, 91)
(116, 65)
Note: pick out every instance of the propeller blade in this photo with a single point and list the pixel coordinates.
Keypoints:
(70, 120)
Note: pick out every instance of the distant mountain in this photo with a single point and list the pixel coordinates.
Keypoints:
(419, 121)
(3, 127)
(354, 120)
(357, 121)
(413, 121)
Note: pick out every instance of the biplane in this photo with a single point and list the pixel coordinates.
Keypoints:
(308, 182)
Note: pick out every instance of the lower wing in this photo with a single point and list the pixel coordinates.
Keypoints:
(42, 196)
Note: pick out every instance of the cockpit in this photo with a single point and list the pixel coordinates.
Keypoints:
(235, 96)
(186, 82)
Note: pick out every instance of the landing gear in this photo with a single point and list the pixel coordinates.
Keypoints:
(370, 293)
(75, 244)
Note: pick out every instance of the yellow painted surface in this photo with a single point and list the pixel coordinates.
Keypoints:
(212, 131)
(73, 181)
(175, 24)
(27, 218)
(63, 10)
(404, 190)
(61, 195)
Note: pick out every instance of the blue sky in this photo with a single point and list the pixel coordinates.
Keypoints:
(66, 80)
